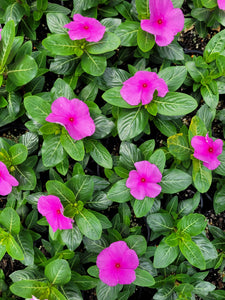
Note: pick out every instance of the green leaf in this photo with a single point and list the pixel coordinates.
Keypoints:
(218, 200)
(109, 42)
(174, 181)
(202, 177)
(38, 108)
(188, 206)
(7, 34)
(14, 12)
(142, 7)
(214, 47)
(72, 238)
(165, 255)
(178, 146)
(192, 224)
(160, 222)
(197, 127)
(142, 207)
(61, 44)
(82, 186)
(60, 190)
(131, 123)
(112, 96)
(10, 220)
(99, 153)
(106, 292)
(137, 243)
(173, 76)
(166, 127)
(74, 148)
(145, 40)
(25, 241)
(171, 52)
(26, 177)
(93, 64)
(192, 253)
(13, 248)
(159, 159)
(127, 32)
(197, 73)
(207, 248)
(56, 22)
(22, 71)
(58, 271)
(84, 282)
(88, 224)
(175, 104)
(62, 89)
(143, 278)
(18, 153)
(119, 192)
(52, 151)
(26, 288)
(210, 98)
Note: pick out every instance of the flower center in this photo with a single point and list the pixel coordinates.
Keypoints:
(210, 149)
(58, 211)
(86, 27)
(159, 21)
(117, 265)
(144, 85)
(71, 119)
(142, 179)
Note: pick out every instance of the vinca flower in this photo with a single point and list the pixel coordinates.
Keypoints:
(143, 182)
(221, 4)
(7, 181)
(141, 87)
(207, 150)
(165, 21)
(85, 28)
(51, 207)
(117, 264)
(74, 116)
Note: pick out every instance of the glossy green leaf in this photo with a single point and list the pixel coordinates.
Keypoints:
(174, 181)
(10, 220)
(18, 154)
(58, 271)
(38, 108)
(165, 255)
(119, 192)
(143, 278)
(109, 42)
(74, 148)
(93, 64)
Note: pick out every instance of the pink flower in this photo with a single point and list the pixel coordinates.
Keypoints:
(34, 298)
(85, 28)
(6, 180)
(117, 264)
(221, 4)
(74, 116)
(207, 150)
(0, 34)
(143, 182)
(51, 207)
(165, 21)
(141, 87)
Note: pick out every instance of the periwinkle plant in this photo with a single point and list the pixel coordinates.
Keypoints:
(103, 185)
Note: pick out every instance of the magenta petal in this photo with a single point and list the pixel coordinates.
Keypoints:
(48, 204)
(153, 189)
(164, 40)
(221, 4)
(148, 171)
(160, 7)
(133, 179)
(5, 187)
(130, 260)
(117, 264)
(109, 277)
(85, 28)
(126, 276)
(64, 222)
(138, 192)
(218, 145)
(74, 116)
(175, 21)
(11, 180)
(212, 165)
(131, 94)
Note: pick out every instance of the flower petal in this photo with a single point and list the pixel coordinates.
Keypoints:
(126, 276)
(5, 187)
(48, 204)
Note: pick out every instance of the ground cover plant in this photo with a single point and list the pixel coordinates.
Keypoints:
(112, 151)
